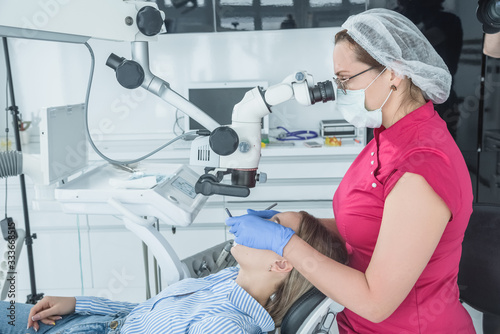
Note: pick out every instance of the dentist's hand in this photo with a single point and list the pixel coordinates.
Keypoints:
(256, 232)
(266, 214)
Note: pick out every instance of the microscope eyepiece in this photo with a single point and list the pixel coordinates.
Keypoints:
(322, 91)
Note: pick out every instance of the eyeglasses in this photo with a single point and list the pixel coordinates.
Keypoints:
(341, 83)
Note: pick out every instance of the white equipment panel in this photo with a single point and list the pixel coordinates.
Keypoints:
(172, 199)
(63, 142)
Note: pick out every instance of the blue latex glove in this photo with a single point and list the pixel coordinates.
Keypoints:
(266, 214)
(256, 232)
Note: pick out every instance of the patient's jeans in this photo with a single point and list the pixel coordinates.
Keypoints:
(69, 324)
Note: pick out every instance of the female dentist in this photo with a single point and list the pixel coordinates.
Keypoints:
(404, 204)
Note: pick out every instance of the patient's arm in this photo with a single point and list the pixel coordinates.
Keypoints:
(101, 306)
(49, 307)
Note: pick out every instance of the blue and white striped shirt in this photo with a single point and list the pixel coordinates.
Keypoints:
(213, 304)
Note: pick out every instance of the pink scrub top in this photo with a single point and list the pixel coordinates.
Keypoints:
(418, 143)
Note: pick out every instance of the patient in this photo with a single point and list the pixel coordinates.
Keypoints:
(251, 299)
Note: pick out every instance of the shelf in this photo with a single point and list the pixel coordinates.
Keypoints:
(121, 150)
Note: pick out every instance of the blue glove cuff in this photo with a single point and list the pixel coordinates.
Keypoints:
(286, 235)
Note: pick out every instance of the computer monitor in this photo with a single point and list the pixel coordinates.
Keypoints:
(217, 99)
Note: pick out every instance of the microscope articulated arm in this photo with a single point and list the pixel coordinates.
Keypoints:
(77, 21)
(136, 73)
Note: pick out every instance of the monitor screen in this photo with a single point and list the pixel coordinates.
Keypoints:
(218, 100)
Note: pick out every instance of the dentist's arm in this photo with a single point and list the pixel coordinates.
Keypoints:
(413, 222)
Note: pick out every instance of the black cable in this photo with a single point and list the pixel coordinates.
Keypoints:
(176, 124)
(146, 269)
(480, 117)
(33, 297)
(116, 162)
(6, 135)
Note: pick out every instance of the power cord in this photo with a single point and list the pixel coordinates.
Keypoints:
(296, 135)
(176, 124)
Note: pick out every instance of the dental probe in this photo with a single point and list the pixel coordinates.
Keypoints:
(270, 207)
(226, 250)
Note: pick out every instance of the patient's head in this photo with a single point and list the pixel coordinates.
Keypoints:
(287, 283)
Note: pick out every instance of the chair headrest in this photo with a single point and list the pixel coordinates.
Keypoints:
(300, 310)
(479, 272)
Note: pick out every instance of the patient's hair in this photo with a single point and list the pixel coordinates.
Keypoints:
(295, 285)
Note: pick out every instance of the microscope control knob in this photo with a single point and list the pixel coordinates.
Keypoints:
(244, 147)
(224, 140)
(149, 21)
(262, 177)
(129, 73)
(299, 76)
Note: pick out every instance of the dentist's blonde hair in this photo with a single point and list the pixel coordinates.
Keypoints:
(295, 285)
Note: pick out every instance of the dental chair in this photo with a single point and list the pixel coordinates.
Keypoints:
(313, 313)
(479, 272)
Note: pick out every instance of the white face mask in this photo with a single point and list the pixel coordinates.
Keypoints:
(352, 107)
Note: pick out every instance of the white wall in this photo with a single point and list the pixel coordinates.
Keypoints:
(50, 74)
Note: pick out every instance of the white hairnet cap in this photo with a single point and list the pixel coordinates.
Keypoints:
(395, 42)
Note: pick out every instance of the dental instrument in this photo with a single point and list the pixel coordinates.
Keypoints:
(271, 206)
